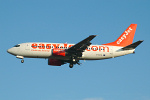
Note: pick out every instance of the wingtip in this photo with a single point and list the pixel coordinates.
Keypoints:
(141, 40)
(94, 35)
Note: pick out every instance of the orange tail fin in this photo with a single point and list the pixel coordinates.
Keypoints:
(126, 37)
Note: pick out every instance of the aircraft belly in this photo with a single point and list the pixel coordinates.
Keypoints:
(122, 53)
(60, 57)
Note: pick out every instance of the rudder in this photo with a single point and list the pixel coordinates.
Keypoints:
(126, 38)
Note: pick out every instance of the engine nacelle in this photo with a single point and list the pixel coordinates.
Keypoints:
(58, 52)
(55, 62)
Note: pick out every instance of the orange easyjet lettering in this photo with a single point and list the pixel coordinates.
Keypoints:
(41, 46)
(34, 45)
(94, 48)
(56, 46)
(124, 36)
(65, 45)
(70, 46)
(48, 46)
(103, 48)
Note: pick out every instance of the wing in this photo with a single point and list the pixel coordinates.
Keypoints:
(132, 46)
(78, 48)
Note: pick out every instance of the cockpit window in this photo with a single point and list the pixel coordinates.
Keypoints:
(17, 45)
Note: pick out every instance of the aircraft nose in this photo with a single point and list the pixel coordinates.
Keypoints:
(9, 50)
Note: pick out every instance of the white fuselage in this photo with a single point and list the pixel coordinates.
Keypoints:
(44, 50)
(62, 53)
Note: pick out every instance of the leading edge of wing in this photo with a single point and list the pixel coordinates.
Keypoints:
(82, 45)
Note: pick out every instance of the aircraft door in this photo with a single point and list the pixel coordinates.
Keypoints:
(27, 47)
(111, 51)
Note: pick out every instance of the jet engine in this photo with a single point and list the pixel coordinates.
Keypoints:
(55, 62)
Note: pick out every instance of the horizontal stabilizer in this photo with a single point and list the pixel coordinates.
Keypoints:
(132, 46)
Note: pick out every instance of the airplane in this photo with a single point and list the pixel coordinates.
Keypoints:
(61, 53)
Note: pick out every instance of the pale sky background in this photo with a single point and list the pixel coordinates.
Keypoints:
(122, 78)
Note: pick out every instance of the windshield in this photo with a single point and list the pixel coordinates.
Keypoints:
(17, 45)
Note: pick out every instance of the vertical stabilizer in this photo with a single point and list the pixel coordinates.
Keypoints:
(126, 37)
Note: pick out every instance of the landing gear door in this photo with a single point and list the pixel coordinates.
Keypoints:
(27, 47)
